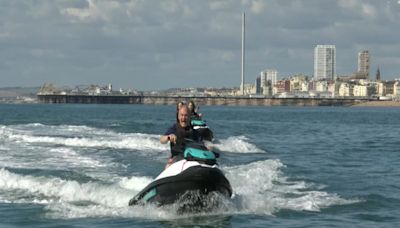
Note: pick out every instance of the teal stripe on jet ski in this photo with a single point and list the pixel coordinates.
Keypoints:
(198, 122)
(150, 194)
(197, 153)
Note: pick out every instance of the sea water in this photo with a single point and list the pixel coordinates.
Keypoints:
(78, 166)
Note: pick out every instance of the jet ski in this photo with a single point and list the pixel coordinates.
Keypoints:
(201, 127)
(189, 181)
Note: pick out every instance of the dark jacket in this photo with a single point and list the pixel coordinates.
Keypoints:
(182, 134)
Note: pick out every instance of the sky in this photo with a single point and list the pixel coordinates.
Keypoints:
(161, 44)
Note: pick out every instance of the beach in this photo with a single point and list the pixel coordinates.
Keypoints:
(379, 104)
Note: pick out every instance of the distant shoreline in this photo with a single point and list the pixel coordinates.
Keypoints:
(361, 104)
(378, 104)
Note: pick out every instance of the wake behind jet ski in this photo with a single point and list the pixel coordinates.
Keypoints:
(187, 182)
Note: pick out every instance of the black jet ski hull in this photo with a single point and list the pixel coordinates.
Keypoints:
(203, 130)
(199, 179)
(206, 134)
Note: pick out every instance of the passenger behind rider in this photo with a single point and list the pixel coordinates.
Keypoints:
(194, 115)
(177, 135)
(193, 112)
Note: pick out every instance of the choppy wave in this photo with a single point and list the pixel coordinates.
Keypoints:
(73, 158)
(4, 148)
(57, 158)
(47, 189)
(237, 144)
(79, 136)
(71, 199)
(261, 187)
(134, 182)
(131, 141)
(84, 136)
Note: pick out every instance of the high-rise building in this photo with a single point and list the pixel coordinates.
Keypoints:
(258, 85)
(269, 75)
(363, 63)
(268, 78)
(325, 62)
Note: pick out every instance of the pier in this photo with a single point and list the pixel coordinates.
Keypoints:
(212, 100)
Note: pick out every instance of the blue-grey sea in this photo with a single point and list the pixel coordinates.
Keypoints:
(78, 166)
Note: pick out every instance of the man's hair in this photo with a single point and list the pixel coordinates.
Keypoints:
(179, 103)
(177, 112)
(184, 107)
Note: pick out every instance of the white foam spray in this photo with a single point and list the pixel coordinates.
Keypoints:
(261, 188)
(237, 144)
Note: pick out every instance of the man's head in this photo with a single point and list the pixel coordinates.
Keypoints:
(179, 105)
(183, 116)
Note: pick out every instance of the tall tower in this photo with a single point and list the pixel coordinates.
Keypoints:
(243, 36)
(325, 62)
(364, 63)
(378, 75)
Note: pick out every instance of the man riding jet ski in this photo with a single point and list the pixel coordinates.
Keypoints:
(191, 171)
(197, 174)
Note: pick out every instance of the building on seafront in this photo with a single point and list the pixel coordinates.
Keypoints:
(323, 84)
(265, 82)
(324, 62)
(363, 63)
(326, 83)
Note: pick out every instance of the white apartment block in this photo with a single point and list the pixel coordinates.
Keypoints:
(297, 83)
(275, 90)
(360, 90)
(364, 90)
(345, 90)
(304, 86)
(380, 87)
(396, 89)
(249, 89)
(333, 88)
(325, 62)
(321, 86)
(268, 78)
(269, 75)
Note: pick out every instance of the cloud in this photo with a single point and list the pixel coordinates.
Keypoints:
(150, 44)
(349, 4)
(257, 7)
(359, 7)
(228, 56)
(368, 10)
(219, 5)
(90, 12)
